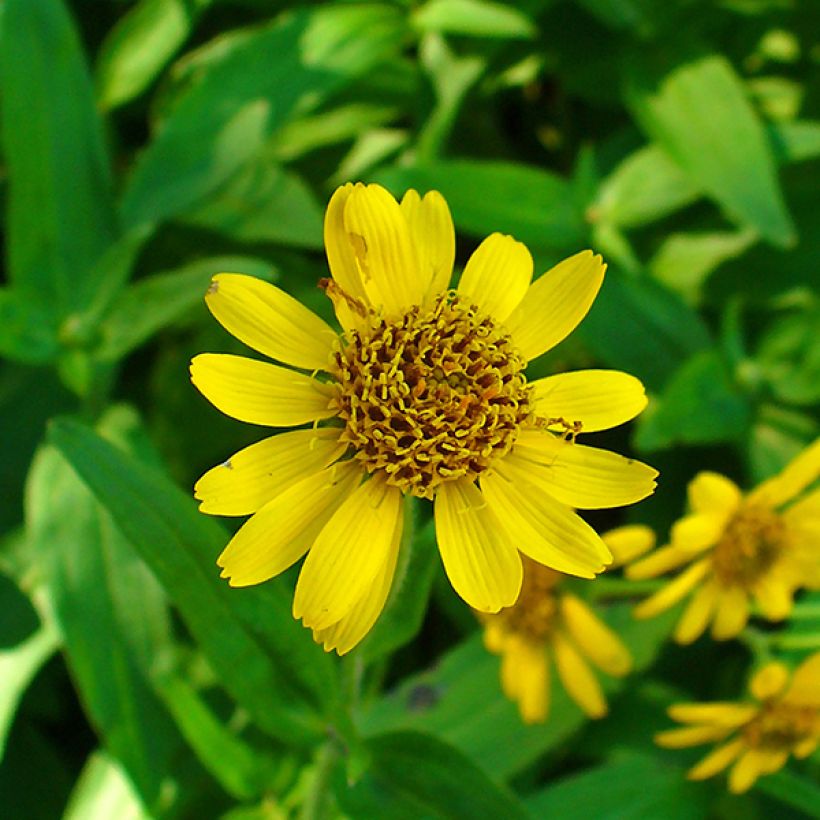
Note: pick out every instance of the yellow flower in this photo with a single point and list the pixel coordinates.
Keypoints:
(547, 621)
(760, 547)
(786, 720)
(423, 393)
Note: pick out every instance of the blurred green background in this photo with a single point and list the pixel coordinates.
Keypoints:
(147, 145)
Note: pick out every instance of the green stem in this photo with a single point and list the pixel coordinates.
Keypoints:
(805, 612)
(315, 805)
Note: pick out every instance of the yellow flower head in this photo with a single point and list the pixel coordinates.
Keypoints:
(760, 547)
(762, 735)
(549, 622)
(423, 393)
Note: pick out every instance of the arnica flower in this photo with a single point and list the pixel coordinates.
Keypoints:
(549, 623)
(760, 736)
(759, 548)
(422, 394)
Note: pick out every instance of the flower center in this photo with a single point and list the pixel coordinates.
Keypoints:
(781, 726)
(752, 541)
(433, 396)
(533, 616)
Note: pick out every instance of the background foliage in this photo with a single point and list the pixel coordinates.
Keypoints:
(150, 144)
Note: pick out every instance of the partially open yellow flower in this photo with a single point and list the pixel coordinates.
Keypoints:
(761, 547)
(548, 623)
(786, 720)
(424, 394)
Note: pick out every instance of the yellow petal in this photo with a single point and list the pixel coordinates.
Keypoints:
(805, 686)
(583, 477)
(806, 747)
(555, 304)
(256, 474)
(694, 533)
(577, 678)
(433, 235)
(774, 596)
(345, 634)
(690, 736)
(668, 595)
(545, 530)
(728, 715)
(806, 509)
(386, 259)
(347, 555)
(258, 392)
(341, 259)
(594, 638)
(697, 614)
(716, 761)
(731, 613)
(534, 691)
(484, 569)
(795, 477)
(281, 532)
(495, 636)
(713, 493)
(662, 560)
(497, 276)
(769, 681)
(629, 542)
(598, 399)
(270, 321)
(746, 771)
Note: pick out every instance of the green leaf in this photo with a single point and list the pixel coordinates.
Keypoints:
(700, 115)
(28, 333)
(799, 793)
(644, 187)
(262, 657)
(795, 141)
(533, 205)
(103, 790)
(474, 18)
(140, 45)
(639, 326)
(266, 77)
(699, 405)
(263, 203)
(159, 300)
(19, 618)
(61, 215)
(415, 775)
(778, 436)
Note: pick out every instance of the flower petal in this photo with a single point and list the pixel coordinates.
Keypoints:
(716, 761)
(594, 638)
(769, 681)
(690, 736)
(805, 686)
(628, 542)
(270, 321)
(583, 477)
(483, 569)
(713, 493)
(534, 689)
(577, 678)
(555, 304)
(795, 477)
(386, 259)
(258, 392)
(774, 597)
(669, 594)
(598, 399)
(661, 561)
(497, 276)
(697, 614)
(694, 533)
(347, 555)
(544, 529)
(727, 714)
(433, 235)
(746, 771)
(345, 634)
(283, 530)
(258, 473)
(731, 613)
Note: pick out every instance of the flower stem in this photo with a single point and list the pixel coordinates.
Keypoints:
(315, 805)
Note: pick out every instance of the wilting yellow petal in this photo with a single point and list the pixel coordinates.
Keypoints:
(349, 631)
(431, 229)
(594, 638)
(545, 530)
(583, 477)
(281, 532)
(697, 614)
(668, 595)
(713, 493)
(628, 542)
(577, 678)
(716, 761)
(555, 304)
(795, 477)
(690, 736)
(347, 555)
(258, 473)
(497, 276)
(484, 569)
(769, 681)
(731, 613)
(258, 392)
(598, 399)
(270, 321)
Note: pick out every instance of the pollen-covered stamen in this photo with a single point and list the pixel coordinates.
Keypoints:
(751, 543)
(534, 615)
(781, 726)
(432, 396)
